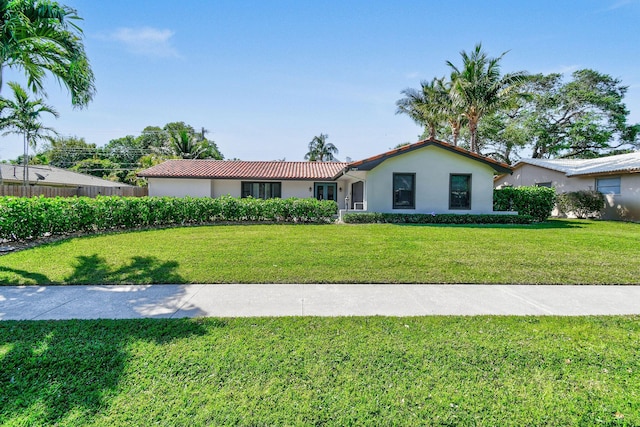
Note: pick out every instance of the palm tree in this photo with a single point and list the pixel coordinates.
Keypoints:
(22, 116)
(320, 150)
(425, 106)
(185, 145)
(453, 112)
(479, 89)
(40, 36)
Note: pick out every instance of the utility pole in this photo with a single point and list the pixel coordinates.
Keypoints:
(202, 133)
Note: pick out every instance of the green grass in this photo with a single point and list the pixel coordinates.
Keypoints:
(557, 252)
(437, 371)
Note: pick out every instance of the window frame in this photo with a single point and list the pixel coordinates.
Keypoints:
(469, 192)
(244, 195)
(609, 178)
(396, 204)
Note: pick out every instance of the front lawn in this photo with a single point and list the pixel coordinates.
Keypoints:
(506, 371)
(557, 252)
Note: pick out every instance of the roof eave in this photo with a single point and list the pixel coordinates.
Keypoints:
(372, 162)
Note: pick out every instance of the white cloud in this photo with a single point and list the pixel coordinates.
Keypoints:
(619, 4)
(146, 41)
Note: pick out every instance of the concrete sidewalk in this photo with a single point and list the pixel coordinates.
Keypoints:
(126, 302)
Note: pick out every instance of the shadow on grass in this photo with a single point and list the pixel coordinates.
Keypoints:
(105, 295)
(93, 269)
(67, 371)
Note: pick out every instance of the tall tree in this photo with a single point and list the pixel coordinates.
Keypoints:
(320, 150)
(426, 106)
(64, 152)
(584, 117)
(186, 143)
(478, 87)
(453, 112)
(40, 36)
(22, 116)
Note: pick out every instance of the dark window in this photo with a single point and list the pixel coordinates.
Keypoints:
(404, 191)
(544, 184)
(459, 191)
(261, 190)
(326, 191)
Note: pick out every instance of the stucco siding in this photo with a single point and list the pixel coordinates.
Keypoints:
(432, 167)
(625, 206)
(529, 175)
(226, 187)
(175, 187)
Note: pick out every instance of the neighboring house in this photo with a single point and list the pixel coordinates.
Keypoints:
(51, 176)
(617, 177)
(425, 177)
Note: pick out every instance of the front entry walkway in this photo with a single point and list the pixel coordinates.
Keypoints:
(126, 302)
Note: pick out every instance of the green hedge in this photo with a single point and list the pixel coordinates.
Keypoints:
(537, 202)
(391, 218)
(25, 218)
(582, 203)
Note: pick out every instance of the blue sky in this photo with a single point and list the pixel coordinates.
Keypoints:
(264, 77)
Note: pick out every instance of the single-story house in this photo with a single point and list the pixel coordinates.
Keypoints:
(425, 177)
(51, 176)
(617, 177)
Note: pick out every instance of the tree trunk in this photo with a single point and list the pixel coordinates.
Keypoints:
(473, 129)
(432, 132)
(25, 162)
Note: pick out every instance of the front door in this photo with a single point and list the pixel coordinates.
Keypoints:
(357, 195)
(326, 191)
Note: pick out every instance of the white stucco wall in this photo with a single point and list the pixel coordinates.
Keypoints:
(180, 187)
(625, 205)
(433, 166)
(222, 187)
(529, 175)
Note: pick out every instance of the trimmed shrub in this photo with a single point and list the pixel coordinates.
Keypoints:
(537, 202)
(26, 218)
(582, 203)
(392, 218)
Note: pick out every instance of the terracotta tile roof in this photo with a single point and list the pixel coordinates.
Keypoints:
(371, 162)
(237, 169)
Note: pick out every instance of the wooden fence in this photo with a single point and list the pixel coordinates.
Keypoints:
(42, 190)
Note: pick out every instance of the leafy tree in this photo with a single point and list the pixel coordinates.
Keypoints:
(320, 150)
(121, 158)
(101, 168)
(64, 152)
(22, 116)
(478, 88)
(580, 118)
(40, 36)
(124, 151)
(154, 139)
